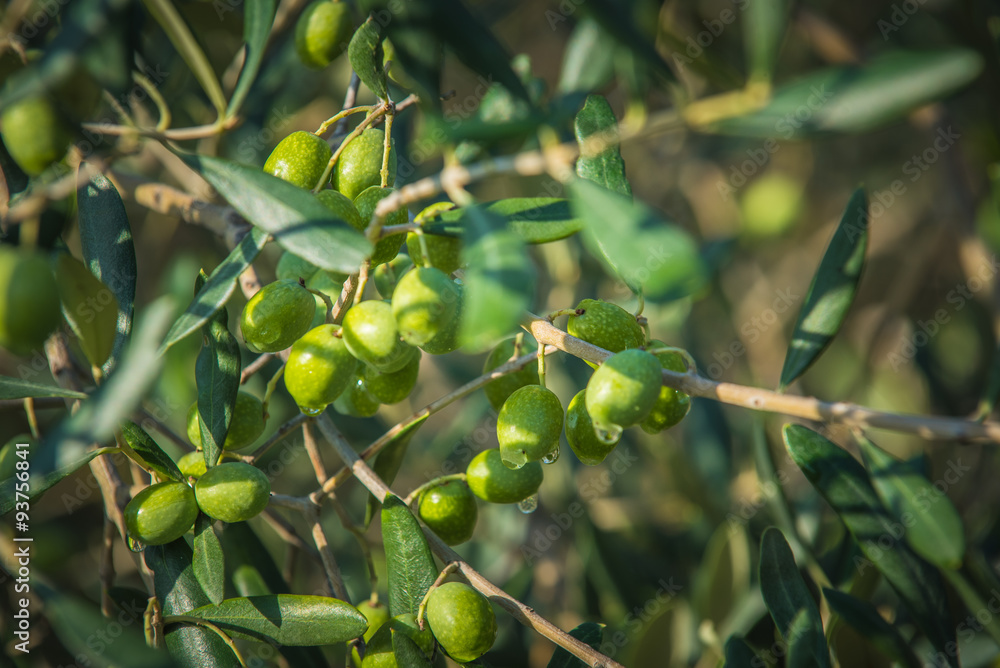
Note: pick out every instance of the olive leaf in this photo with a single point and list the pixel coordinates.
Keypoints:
(144, 446)
(763, 31)
(604, 167)
(41, 483)
(258, 17)
(535, 220)
(90, 308)
(208, 562)
(15, 388)
(217, 372)
(865, 618)
(589, 59)
(366, 56)
(588, 632)
(738, 653)
(411, 565)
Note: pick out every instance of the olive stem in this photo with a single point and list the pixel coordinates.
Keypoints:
(276, 437)
(362, 280)
(326, 300)
(255, 366)
(325, 126)
(362, 126)
(271, 385)
(423, 247)
(436, 482)
(561, 312)
(161, 105)
(330, 565)
(346, 297)
(387, 147)
(685, 355)
(197, 621)
(541, 366)
(518, 346)
(639, 309)
(450, 568)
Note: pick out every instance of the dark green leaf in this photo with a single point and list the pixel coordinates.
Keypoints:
(15, 388)
(40, 483)
(218, 288)
(864, 618)
(605, 167)
(407, 556)
(106, 238)
(89, 308)
(217, 372)
(738, 653)
(855, 98)
(388, 462)
(258, 17)
(366, 56)
(589, 59)
(179, 592)
(536, 220)
(78, 624)
(288, 619)
(842, 481)
(248, 581)
(806, 642)
(974, 603)
(832, 290)
(788, 600)
(144, 446)
(588, 632)
(406, 652)
(933, 526)
(499, 280)
(763, 31)
(991, 392)
(293, 216)
(648, 253)
(723, 578)
(615, 16)
(209, 563)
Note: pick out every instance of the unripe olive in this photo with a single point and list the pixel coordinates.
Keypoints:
(356, 400)
(246, 425)
(29, 300)
(387, 247)
(323, 32)
(359, 165)
(342, 207)
(232, 492)
(192, 465)
(319, 368)
(391, 388)
(370, 333)
(450, 510)
(443, 252)
(380, 652)
(300, 158)
(387, 274)
(377, 615)
(277, 316)
(491, 480)
(446, 340)
(462, 621)
(34, 133)
(622, 391)
(161, 513)
(498, 390)
(672, 405)
(606, 325)
(529, 425)
(424, 303)
(581, 436)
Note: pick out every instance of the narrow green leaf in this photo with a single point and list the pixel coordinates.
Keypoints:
(187, 46)
(738, 653)
(218, 288)
(788, 600)
(15, 388)
(589, 58)
(106, 238)
(647, 253)
(536, 220)
(832, 290)
(855, 98)
(179, 592)
(933, 526)
(217, 372)
(615, 16)
(258, 17)
(248, 581)
(806, 643)
(144, 446)
(605, 167)
(588, 632)
(407, 653)
(293, 216)
(208, 562)
(89, 308)
(366, 56)
(288, 619)
(973, 601)
(864, 618)
(388, 462)
(39, 484)
(723, 579)
(407, 556)
(78, 624)
(763, 31)
(842, 481)
(499, 280)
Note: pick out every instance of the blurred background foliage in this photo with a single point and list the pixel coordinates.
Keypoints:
(659, 542)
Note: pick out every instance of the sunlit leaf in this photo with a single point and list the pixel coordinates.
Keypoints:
(365, 54)
(407, 556)
(15, 388)
(588, 62)
(89, 307)
(604, 167)
(208, 562)
(258, 17)
(147, 449)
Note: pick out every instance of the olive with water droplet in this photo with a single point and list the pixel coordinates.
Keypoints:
(498, 390)
(492, 481)
(529, 425)
(580, 434)
(672, 405)
(623, 390)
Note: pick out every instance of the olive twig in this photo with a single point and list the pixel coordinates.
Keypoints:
(362, 126)
(276, 437)
(325, 126)
(255, 366)
(387, 148)
(330, 566)
(436, 482)
(422, 608)
(363, 543)
(271, 385)
(423, 247)
(326, 300)
(154, 93)
(366, 267)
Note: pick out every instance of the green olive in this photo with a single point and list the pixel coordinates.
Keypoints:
(29, 300)
(391, 388)
(319, 368)
(382, 650)
(605, 325)
(387, 247)
(387, 274)
(498, 390)
(277, 316)
(424, 303)
(246, 425)
(581, 436)
(232, 492)
(443, 252)
(342, 207)
(161, 513)
(300, 158)
(192, 465)
(377, 614)
(672, 405)
(462, 621)
(34, 133)
(359, 165)
(323, 32)
(371, 335)
(491, 480)
(622, 392)
(356, 400)
(529, 425)
(450, 510)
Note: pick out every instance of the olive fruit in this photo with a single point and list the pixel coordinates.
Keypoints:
(388, 247)
(391, 388)
(581, 436)
(498, 390)
(356, 400)
(424, 303)
(446, 340)
(672, 405)
(342, 207)
(450, 510)
(29, 300)
(606, 325)
(622, 392)
(323, 32)
(462, 621)
(161, 513)
(245, 426)
(34, 133)
(443, 252)
(192, 465)
(491, 480)
(377, 615)
(383, 650)
(529, 426)
(359, 165)
(319, 368)
(387, 274)
(277, 316)
(370, 333)
(300, 158)
(232, 492)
